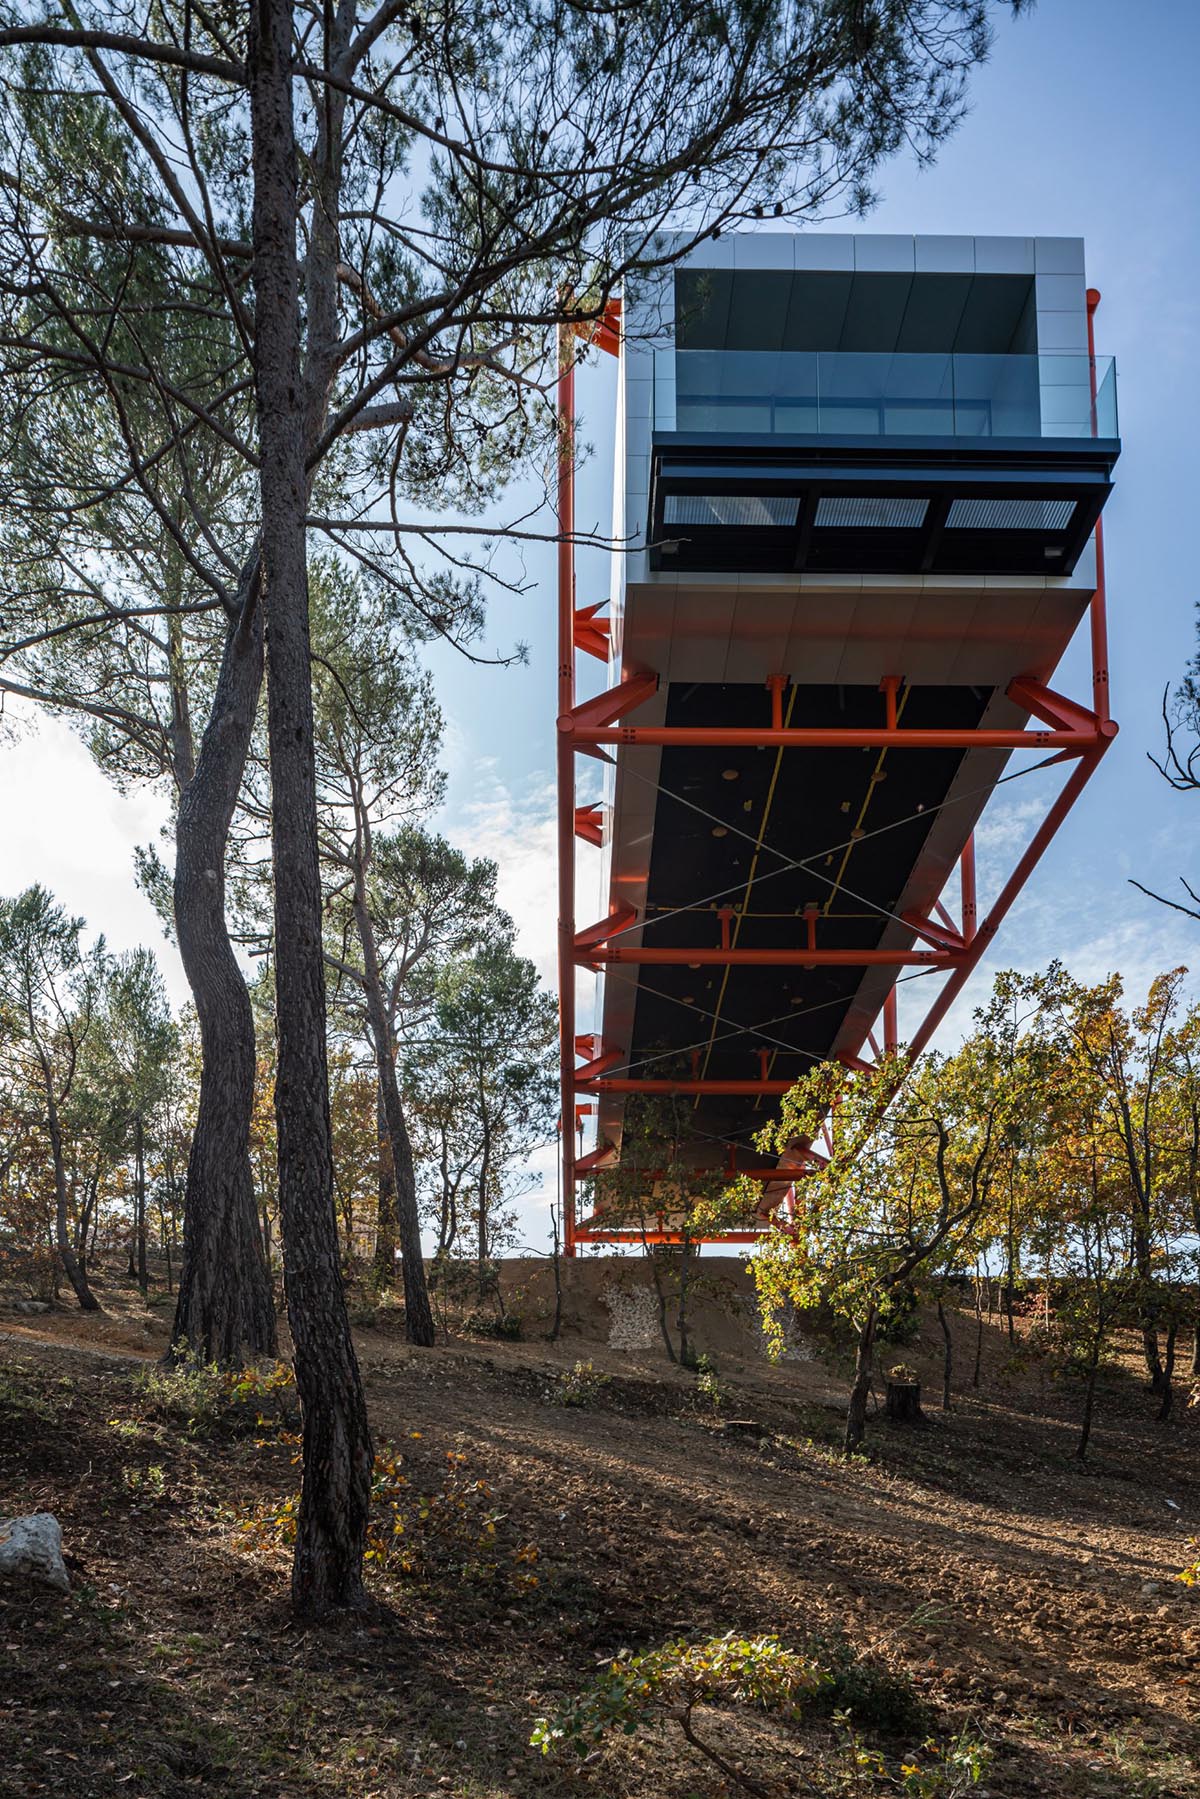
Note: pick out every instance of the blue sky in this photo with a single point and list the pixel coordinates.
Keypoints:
(1084, 123)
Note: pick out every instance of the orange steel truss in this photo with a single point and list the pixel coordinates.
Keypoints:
(1078, 734)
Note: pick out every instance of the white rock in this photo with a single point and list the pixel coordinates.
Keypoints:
(31, 1550)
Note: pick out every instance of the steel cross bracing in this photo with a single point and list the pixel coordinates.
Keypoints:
(1071, 732)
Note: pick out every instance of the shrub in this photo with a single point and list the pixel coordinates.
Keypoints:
(863, 1688)
(481, 1323)
(580, 1385)
(451, 1530)
(187, 1391)
(666, 1685)
(201, 1396)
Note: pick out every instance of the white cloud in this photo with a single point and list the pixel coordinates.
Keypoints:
(63, 824)
(519, 832)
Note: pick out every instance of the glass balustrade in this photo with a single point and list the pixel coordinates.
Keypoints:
(847, 394)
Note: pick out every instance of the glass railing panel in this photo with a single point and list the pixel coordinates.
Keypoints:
(867, 395)
(850, 394)
(750, 390)
(1104, 421)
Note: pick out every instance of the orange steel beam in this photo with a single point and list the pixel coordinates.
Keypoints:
(774, 1176)
(966, 964)
(944, 936)
(966, 864)
(599, 1064)
(1054, 709)
(581, 731)
(588, 824)
(619, 920)
(593, 952)
(581, 722)
(583, 1235)
(631, 1084)
(590, 1163)
(607, 335)
(592, 632)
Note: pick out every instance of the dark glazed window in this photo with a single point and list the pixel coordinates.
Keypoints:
(777, 309)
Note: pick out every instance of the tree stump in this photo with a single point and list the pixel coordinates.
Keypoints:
(904, 1401)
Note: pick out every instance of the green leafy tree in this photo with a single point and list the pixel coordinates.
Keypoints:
(483, 1082)
(426, 904)
(1127, 1053)
(914, 1154)
(136, 1041)
(50, 987)
(459, 181)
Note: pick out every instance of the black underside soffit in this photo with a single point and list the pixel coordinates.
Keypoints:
(746, 811)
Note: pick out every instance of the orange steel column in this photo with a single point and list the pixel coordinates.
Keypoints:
(967, 886)
(566, 775)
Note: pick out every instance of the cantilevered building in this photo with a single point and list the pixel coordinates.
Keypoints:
(862, 478)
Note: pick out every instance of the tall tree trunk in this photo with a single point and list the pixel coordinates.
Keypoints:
(142, 1271)
(659, 1294)
(418, 1314)
(1167, 1387)
(385, 1220)
(947, 1354)
(485, 1176)
(86, 1211)
(687, 1355)
(1089, 1395)
(856, 1414)
(72, 1267)
(225, 1305)
(1010, 1258)
(337, 1450)
(978, 1331)
(556, 1327)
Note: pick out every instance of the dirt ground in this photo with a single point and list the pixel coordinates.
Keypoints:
(996, 1584)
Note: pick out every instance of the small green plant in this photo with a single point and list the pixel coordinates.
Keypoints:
(145, 1483)
(666, 1685)
(708, 1386)
(934, 1771)
(18, 1400)
(580, 1385)
(1190, 1576)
